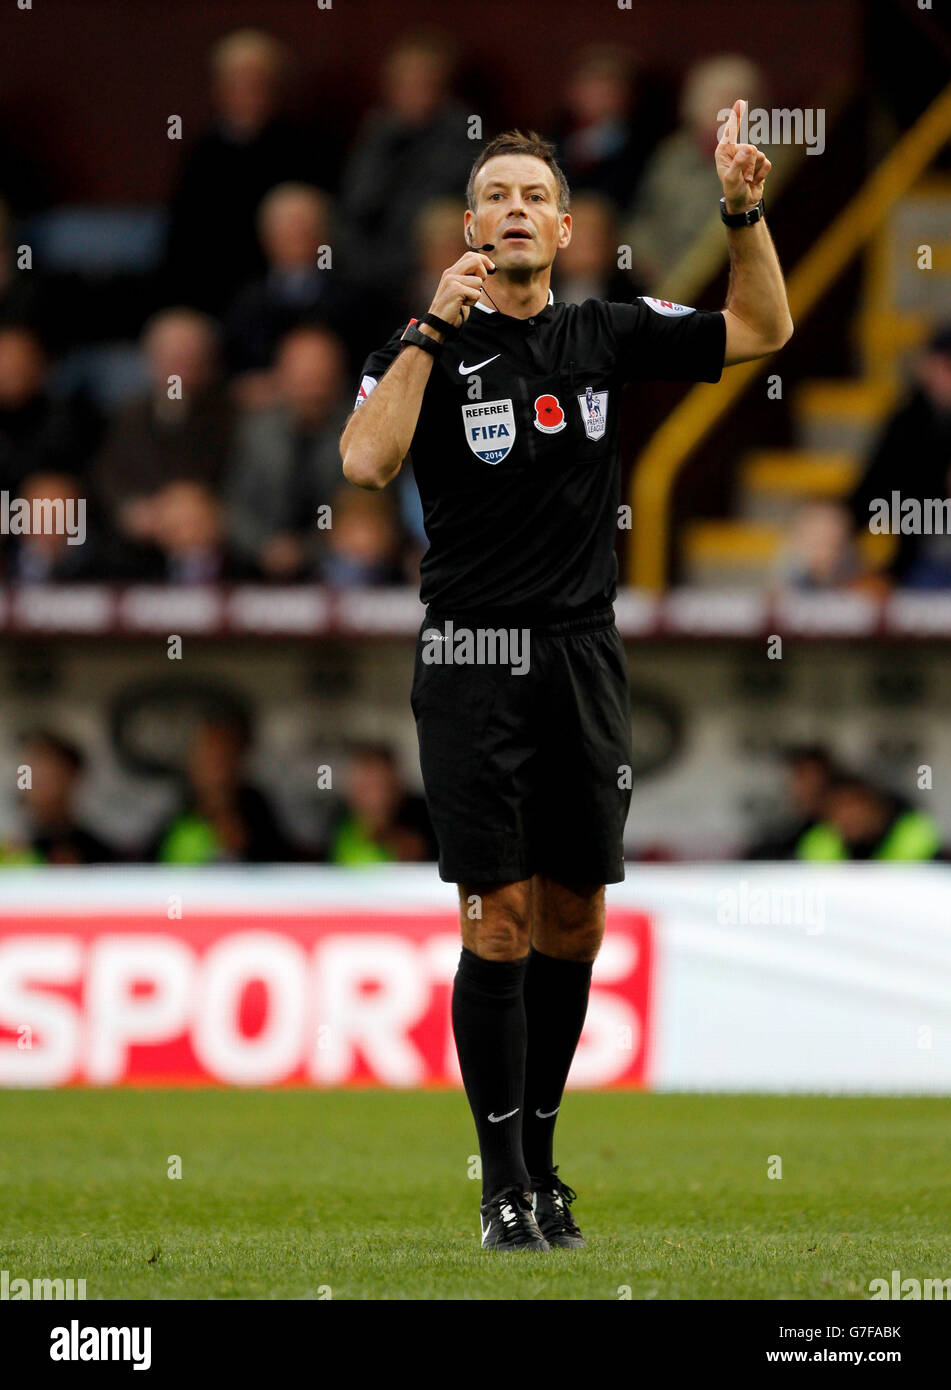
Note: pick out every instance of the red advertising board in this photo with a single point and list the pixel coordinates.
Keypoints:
(327, 998)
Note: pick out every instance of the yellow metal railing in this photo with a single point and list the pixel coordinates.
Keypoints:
(691, 421)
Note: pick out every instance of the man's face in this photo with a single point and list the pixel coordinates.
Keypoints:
(53, 778)
(858, 814)
(188, 517)
(808, 783)
(246, 90)
(21, 369)
(214, 757)
(414, 84)
(292, 231)
(179, 347)
(934, 374)
(597, 93)
(517, 212)
(373, 788)
(310, 371)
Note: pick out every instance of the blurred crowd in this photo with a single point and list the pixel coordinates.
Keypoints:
(221, 816)
(828, 543)
(191, 386)
(186, 373)
(825, 812)
(830, 812)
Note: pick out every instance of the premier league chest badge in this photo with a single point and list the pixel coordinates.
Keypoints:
(490, 429)
(594, 412)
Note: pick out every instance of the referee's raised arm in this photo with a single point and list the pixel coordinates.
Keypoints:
(377, 437)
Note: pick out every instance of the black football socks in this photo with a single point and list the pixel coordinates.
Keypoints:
(556, 1001)
(488, 1021)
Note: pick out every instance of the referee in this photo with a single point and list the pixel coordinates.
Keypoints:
(508, 404)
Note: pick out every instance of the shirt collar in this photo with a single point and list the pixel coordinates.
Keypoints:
(488, 309)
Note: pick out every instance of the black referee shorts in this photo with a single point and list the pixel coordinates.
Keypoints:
(525, 773)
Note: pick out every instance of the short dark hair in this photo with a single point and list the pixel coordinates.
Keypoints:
(793, 754)
(861, 786)
(517, 142)
(369, 750)
(61, 748)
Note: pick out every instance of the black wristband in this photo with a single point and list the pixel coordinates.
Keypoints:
(742, 219)
(448, 330)
(413, 338)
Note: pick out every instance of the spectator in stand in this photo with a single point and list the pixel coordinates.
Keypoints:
(911, 456)
(587, 268)
(598, 148)
(287, 460)
(249, 148)
(54, 833)
(679, 190)
(189, 536)
(67, 549)
(809, 775)
(363, 543)
(223, 818)
(930, 567)
(380, 821)
(294, 223)
(863, 822)
(37, 433)
(822, 556)
(411, 149)
(180, 432)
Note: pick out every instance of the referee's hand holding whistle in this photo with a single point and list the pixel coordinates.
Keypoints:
(376, 438)
(459, 288)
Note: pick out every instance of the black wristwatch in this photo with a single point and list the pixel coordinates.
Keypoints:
(448, 330)
(412, 337)
(743, 219)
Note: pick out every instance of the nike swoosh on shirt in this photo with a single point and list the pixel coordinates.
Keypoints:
(464, 369)
(494, 1119)
(547, 1114)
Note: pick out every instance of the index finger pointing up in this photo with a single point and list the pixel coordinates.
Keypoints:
(731, 131)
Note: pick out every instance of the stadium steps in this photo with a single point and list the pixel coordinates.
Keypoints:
(842, 415)
(836, 421)
(731, 554)
(746, 554)
(774, 481)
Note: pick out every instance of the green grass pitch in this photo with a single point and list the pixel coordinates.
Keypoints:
(285, 1194)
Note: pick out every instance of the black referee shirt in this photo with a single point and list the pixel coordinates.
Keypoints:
(516, 452)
